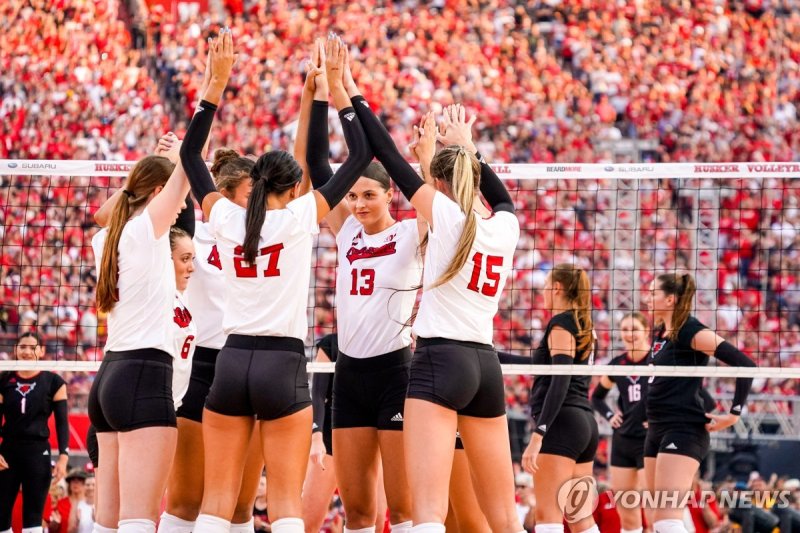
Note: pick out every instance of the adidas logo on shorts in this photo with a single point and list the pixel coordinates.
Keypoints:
(671, 446)
(543, 427)
(350, 116)
(397, 418)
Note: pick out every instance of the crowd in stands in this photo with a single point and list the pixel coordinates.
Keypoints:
(549, 82)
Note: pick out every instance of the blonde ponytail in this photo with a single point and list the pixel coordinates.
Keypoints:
(463, 180)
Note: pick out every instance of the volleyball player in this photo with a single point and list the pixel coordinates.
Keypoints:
(27, 399)
(628, 420)
(265, 253)
(564, 442)
(678, 426)
(380, 267)
(205, 293)
(135, 418)
(455, 378)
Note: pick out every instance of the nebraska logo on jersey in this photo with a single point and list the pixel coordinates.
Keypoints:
(182, 317)
(658, 346)
(24, 388)
(354, 254)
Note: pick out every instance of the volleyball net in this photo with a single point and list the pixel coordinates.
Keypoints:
(735, 227)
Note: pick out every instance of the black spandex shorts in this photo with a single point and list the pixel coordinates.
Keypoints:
(133, 390)
(261, 376)
(199, 384)
(627, 452)
(691, 440)
(573, 434)
(371, 392)
(463, 376)
(92, 448)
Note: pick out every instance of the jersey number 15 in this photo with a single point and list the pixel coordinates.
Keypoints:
(492, 284)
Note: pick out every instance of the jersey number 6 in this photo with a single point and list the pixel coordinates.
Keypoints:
(492, 277)
(246, 270)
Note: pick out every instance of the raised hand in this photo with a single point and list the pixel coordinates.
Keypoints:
(169, 146)
(424, 144)
(220, 59)
(349, 83)
(456, 129)
(316, 80)
(223, 57)
(335, 60)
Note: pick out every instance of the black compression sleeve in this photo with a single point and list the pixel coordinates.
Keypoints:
(357, 160)
(386, 151)
(62, 426)
(185, 219)
(493, 189)
(191, 158)
(728, 354)
(320, 382)
(599, 402)
(511, 359)
(556, 392)
(318, 149)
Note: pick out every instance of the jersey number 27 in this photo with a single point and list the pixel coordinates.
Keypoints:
(247, 270)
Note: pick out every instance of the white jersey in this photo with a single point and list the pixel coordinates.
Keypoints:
(463, 309)
(269, 297)
(142, 315)
(206, 292)
(184, 334)
(375, 285)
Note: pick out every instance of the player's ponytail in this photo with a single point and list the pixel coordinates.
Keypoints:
(274, 172)
(149, 173)
(462, 172)
(683, 288)
(578, 292)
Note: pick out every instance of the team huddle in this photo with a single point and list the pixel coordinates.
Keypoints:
(204, 380)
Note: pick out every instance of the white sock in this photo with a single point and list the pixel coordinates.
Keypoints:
(244, 527)
(669, 526)
(137, 525)
(288, 525)
(428, 527)
(549, 528)
(592, 529)
(7, 531)
(97, 528)
(32, 529)
(639, 530)
(207, 523)
(172, 524)
(402, 527)
(370, 529)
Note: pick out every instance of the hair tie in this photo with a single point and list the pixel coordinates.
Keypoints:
(127, 193)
